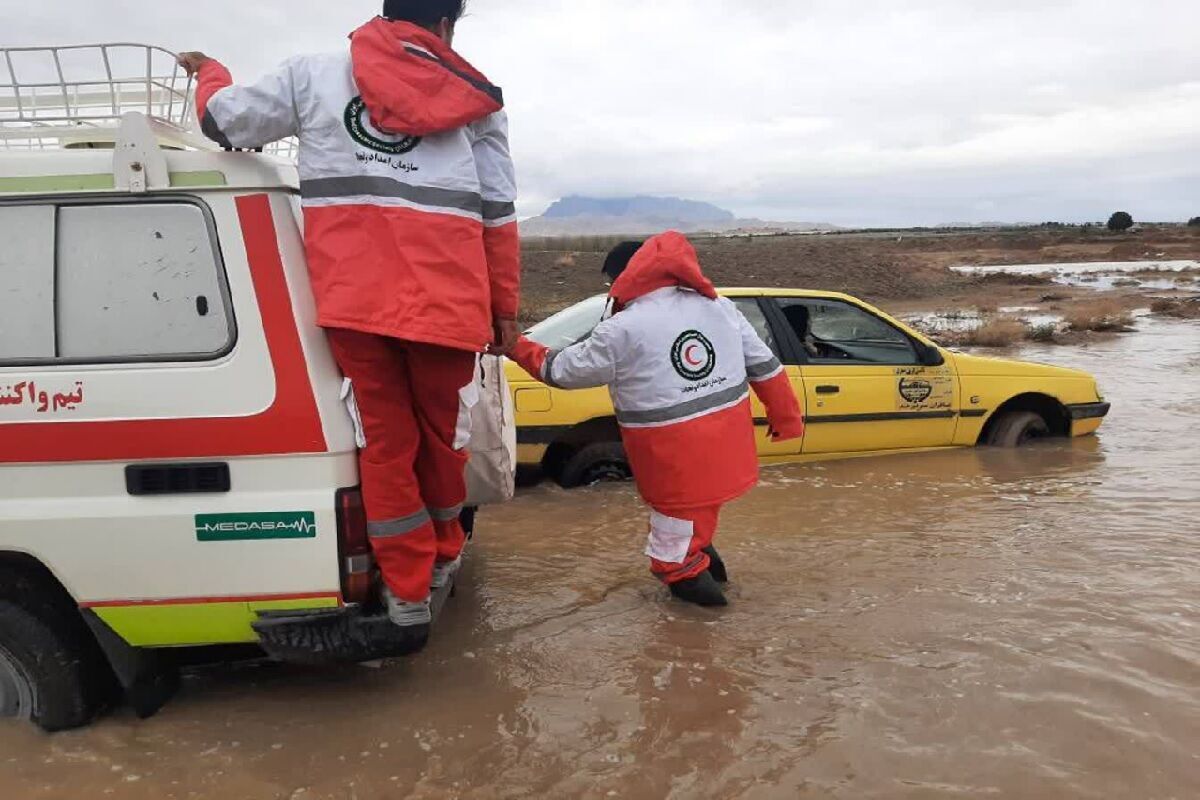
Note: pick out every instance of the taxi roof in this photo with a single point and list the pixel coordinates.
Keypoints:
(746, 291)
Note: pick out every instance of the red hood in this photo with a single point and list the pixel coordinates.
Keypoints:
(413, 83)
(665, 260)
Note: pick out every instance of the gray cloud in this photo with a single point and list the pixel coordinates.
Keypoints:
(868, 112)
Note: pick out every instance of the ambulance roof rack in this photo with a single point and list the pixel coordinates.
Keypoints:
(78, 96)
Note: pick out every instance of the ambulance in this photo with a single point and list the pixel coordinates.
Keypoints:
(178, 460)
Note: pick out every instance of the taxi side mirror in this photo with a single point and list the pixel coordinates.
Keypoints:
(930, 356)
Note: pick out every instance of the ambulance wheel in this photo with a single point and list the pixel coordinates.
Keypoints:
(595, 463)
(51, 672)
(1018, 428)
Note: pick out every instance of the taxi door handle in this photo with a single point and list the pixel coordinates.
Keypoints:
(829, 389)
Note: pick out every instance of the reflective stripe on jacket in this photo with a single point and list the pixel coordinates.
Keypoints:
(410, 223)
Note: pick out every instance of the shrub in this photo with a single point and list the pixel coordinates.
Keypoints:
(1099, 316)
(999, 332)
(1180, 309)
(1043, 333)
(1120, 221)
(1194, 222)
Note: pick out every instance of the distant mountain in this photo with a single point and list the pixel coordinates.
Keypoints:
(673, 208)
(642, 215)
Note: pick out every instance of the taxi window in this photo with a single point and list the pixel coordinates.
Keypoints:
(570, 326)
(835, 332)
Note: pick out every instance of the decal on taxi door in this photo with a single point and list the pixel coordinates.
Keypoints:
(924, 389)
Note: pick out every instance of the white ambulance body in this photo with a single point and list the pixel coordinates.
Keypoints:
(177, 464)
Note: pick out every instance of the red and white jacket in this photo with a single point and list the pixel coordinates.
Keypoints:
(407, 183)
(680, 362)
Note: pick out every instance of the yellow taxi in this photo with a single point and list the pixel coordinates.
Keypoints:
(868, 384)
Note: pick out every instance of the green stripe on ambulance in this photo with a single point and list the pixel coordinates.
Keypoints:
(256, 527)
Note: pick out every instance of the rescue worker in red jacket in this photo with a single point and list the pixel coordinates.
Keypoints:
(408, 192)
(679, 362)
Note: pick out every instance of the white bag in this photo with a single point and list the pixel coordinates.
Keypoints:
(491, 472)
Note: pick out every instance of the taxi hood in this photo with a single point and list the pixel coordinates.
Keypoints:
(986, 366)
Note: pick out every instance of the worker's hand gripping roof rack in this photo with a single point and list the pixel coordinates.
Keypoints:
(79, 96)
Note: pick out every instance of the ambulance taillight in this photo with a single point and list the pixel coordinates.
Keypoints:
(354, 546)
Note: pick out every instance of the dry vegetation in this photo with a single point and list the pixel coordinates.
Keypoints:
(999, 332)
(1188, 308)
(1047, 333)
(1099, 316)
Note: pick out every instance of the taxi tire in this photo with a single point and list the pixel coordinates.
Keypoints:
(65, 670)
(1017, 428)
(593, 463)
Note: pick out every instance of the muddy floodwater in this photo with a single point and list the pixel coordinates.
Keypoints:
(962, 624)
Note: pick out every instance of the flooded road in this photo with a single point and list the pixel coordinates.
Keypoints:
(967, 623)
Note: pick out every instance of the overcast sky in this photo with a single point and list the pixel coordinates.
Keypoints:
(842, 111)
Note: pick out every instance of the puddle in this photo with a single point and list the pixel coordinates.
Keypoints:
(1097, 267)
(1107, 283)
(960, 321)
(1103, 276)
(946, 321)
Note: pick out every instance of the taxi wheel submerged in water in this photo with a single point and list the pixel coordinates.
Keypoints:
(595, 463)
(1018, 428)
(48, 672)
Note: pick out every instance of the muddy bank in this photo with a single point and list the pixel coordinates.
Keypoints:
(881, 268)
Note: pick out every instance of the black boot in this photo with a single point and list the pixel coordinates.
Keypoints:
(701, 590)
(717, 567)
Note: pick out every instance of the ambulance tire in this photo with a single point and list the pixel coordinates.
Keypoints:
(595, 463)
(53, 672)
(1018, 428)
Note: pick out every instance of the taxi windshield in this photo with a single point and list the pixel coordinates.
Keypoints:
(569, 326)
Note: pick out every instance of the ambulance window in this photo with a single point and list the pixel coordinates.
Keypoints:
(26, 283)
(139, 281)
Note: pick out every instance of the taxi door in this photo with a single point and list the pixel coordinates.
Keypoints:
(865, 386)
(752, 309)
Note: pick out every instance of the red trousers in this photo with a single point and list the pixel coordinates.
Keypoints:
(677, 540)
(414, 401)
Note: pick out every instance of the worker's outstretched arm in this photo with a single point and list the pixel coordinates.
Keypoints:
(585, 365)
(770, 382)
(246, 117)
(501, 239)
